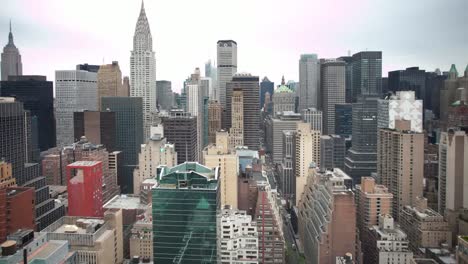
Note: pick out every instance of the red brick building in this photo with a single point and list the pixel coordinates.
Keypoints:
(84, 180)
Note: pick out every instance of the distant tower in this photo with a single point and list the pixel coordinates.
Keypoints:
(143, 69)
(11, 59)
(309, 81)
(227, 67)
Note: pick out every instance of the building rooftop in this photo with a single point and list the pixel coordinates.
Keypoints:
(125, 201)
(188, 175)
(84, 163)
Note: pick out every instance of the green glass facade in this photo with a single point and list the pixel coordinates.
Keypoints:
(185, 203)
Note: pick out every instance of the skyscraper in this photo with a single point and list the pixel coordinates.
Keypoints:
(143, 70)
(227, 67)
(212, 73)
(98, 127)
(75, 91)
(367, 73)
(411, 79)
(180, 129)
(309, 81)
(403, 105)
(348, 78)
(284, 99)
(188, 236)
(84, 181)
(332, 81)
(37, 96)
(195, 93)
(214, 120)
(109, 81)
(236, 132)
(361, 159)
(287, 169)
(11, 59)
(266, 86)
(313, 117)
(344, 120)
(248, 84)
(129, 133)
(332, 152)
(400, 163)
(164, 94)
(285, 121)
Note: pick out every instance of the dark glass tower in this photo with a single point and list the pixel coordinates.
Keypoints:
(185, 202)
(180, 129)
(164, 94)
(265, 86)
(348, 78)
(248, 84)
(15, 144)
(411, 79)
(36, 94)
(361, 159)
(343, 120)
(129, 134)
(367, 73)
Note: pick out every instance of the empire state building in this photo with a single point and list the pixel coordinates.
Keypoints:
(143, 70)
(11, 59)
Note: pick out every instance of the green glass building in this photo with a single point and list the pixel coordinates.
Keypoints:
(185, 203)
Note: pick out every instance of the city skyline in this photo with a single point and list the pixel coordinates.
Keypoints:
(269, 44)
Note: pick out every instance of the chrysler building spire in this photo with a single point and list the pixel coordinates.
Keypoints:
(143, 69)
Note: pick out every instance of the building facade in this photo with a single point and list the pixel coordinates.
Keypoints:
(266, 86)
(164, 95)
(309, 81)
(143, 70)
(367, 73)
(180, 128)
(237, 237)
(226, 68)
(190, 235)
(75, 91)
(332, 152)
(284, 99)
(214, 120)
(109, 82)
(402, 105)
(332, 87)
(11, 59)
(37, 96)
(249, 86)
(98, 127)
(129, 134)
(344, 120)
(285, 121)
(313, 117)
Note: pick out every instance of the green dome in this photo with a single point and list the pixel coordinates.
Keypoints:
(283, 89)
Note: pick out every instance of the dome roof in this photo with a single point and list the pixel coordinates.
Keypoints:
(283, 89)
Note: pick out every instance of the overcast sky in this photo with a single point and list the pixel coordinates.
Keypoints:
(271, 34)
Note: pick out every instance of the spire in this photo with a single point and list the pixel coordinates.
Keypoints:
(282, 81)
(453, 73)
(10, 36)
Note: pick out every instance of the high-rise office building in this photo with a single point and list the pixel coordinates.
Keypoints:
(109, 81)
(361, 159)
(400, 163)
(36, 94)
(226, 68)
(248, 84)
(129, 133)
(221, 156)
(309, 82)
(266, 86)
(143, 70)
(402, 105)
(434, 84)
(307, 155)
(84, 181)
(287, 181)
(284, 99)
(164, 94)
(411, 79)
(367, 73)
(237, 237)
(189, 236)
(157, 151)
(14, 148)
(180, 129)
(98, 127)
(329, 231)
(332, 151)
(75, 91)
(11, 59)
(453, 176)
(236, 132)
(348, 78)
(332, 89)
(285, 121)
(450, 92)
(344, 120)
(214, 120)
(211, 72)
(313, 117)
(195, 94)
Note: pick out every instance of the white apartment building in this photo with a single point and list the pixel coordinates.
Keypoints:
(237, 238)
(401, 106)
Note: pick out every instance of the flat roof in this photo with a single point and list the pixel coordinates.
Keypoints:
(84, 163)
(125, 202)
